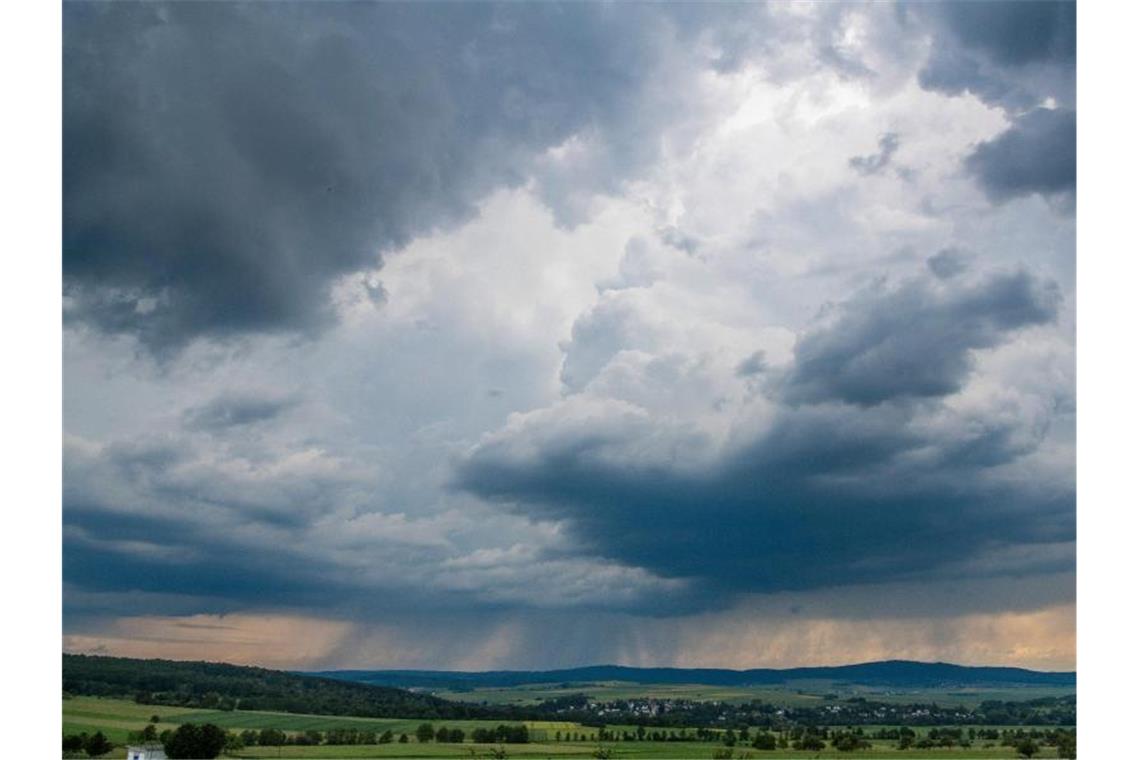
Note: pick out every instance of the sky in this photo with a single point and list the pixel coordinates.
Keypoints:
(478, 336)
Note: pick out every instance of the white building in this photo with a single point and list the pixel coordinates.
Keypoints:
(148, 751)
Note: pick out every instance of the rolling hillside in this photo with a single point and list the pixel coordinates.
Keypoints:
(890, 674)
(227, 687)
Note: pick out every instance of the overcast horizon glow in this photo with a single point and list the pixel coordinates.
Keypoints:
(530, 336)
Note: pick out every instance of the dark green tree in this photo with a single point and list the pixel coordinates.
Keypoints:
(196, 741)
(425, 733)
(270, 737)
(234, 743)
(764, 740)
(97, 744)
(1027, 748)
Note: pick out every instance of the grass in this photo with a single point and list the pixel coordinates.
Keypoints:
(116, 717)
(800, 694)
(632, 750)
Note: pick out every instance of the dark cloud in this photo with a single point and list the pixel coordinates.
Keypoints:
(236, 410)
(1018, 56)
(1015, 32)
(876, 162)
(947, 263)
(828, 496)
(754, 364)
(913, 341)
(852, 482)
(225, 163)
(1011, 53)
(1038, 154)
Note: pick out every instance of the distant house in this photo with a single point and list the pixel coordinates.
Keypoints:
(148, 751)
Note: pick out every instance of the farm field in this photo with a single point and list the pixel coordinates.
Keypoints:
(642, 750)
(796, 695)
(117, 717)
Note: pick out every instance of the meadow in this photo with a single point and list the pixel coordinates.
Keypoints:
(117, 717)
(795, 694)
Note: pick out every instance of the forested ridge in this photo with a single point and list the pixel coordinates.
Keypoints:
(211, 685)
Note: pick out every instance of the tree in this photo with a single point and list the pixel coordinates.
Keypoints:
(848, 741)
(810, 742)
(73, 743)
(270, 737)
(155, 719)
(425, 733)
(1027, 748)
(196, 741)
(234, 743)
(97, 744)
(763, 740)
(403, 739)
(149, 733)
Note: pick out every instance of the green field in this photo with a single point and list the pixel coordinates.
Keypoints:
(646, 750)
(116, 717)
(795, 695)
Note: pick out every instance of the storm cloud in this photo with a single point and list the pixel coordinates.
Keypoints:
(915, 341)
(225, 164)
(835, 477)
(1038, 154)
(551, 334)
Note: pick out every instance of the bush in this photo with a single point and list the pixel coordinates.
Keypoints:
(196, 741)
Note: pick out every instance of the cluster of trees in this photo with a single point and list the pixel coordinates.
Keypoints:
(502, 734)
(272, 737)
(86, 745)
(190, 740)
(444, 735)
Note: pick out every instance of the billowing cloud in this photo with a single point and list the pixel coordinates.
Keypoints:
(223, 165)
(916, 340)
(568, 333)
(1020, 56)
(1038, 154)
(1011, 53)
(837, 472)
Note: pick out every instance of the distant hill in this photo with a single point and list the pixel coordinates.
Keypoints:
(887, 674)
(220, 686)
